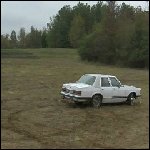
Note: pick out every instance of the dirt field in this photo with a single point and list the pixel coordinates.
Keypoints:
(33, 115)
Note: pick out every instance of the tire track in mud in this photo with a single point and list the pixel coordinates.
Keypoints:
(89, 116)
(13, 127)
(127, 124)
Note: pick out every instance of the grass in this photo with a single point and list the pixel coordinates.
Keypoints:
(33, 115)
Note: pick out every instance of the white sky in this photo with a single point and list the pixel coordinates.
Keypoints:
(17, 14)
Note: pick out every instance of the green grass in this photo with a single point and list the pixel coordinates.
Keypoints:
(33, 115)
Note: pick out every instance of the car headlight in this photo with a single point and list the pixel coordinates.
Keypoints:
(77, 93)
(63, 89)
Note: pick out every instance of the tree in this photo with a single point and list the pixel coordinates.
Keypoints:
(124, 32)
(109, 31)
(139, 45)
(43, 38)
(34, 38)
(5, 41)
(21, 37)
(13, 39)
(96, 12)
(59, 28)
(77, 30)
(84, 10)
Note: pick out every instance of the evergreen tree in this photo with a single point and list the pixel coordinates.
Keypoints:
(13, 39)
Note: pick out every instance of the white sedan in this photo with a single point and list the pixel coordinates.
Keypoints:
(98, 89)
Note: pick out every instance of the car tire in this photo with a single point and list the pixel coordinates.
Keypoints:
(131, 99)
(97, 101)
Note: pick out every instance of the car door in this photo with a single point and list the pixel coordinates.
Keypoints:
(118, 94)
(106, 89)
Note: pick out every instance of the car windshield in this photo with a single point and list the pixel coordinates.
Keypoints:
(115, 82)
(87, 79)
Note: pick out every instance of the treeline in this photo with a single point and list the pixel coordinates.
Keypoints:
(34, 39)
(107, 33)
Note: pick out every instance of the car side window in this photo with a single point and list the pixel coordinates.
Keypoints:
(114, 81)
(105, 82)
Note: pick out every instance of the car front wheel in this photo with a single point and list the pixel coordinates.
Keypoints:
(97, 101)
(131, 99)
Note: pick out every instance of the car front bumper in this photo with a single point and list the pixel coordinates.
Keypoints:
(74, 97)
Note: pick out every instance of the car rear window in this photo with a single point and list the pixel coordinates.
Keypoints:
(87, 79)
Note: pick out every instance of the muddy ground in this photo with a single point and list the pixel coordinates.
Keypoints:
(34, 116)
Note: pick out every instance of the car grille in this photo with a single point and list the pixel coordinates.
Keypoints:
(68, 91)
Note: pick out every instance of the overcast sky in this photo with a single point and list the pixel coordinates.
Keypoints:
(17, 14)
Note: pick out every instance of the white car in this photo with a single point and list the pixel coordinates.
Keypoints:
(98, 89)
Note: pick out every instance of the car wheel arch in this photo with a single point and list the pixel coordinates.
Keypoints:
(131, 93)
(98, 94)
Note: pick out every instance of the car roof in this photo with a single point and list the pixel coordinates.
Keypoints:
(101, 75)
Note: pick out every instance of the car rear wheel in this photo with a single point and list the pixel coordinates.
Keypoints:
(97, 101)
(131, 99)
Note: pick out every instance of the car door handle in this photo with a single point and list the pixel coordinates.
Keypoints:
(102, 89)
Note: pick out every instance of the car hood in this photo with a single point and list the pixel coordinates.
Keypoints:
(131, 87)
(76, 85)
